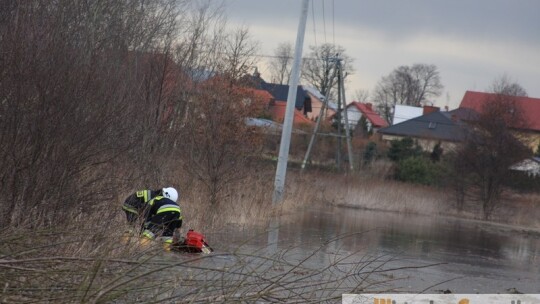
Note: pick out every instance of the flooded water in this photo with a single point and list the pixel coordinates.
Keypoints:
(406, 253)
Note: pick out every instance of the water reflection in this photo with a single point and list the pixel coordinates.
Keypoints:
(449, 239)
(481, 257)
(273, 235)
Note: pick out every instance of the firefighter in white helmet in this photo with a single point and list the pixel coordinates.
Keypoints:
(164, 216)
(136, 205)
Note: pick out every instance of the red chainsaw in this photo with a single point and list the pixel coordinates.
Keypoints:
(194, 242)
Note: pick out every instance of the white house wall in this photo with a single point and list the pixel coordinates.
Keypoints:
(403, 113)
(354, 115)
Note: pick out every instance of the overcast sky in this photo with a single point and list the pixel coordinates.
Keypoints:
(470, 41)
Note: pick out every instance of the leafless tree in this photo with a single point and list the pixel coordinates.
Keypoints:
(94, 95)
(79, 82)
(319, 69)
(239, 53)
(361, 95)
(208, 47)
(407, 85)
(200, 46)
(281, 63)
(506, 86)
(490, 149)
(216, 140)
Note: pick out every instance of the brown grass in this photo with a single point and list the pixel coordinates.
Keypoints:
(249, 201)
(372, 189)
(90, 260)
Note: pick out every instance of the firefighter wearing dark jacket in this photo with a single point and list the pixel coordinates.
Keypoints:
(136, 204)
(163, 218)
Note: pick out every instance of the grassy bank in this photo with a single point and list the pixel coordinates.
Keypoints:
(90, 260)
(249, 201)
(371, 189)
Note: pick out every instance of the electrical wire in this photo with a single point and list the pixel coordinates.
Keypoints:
(333, 23)
(324, 20)
(256, 55)
(313, 19)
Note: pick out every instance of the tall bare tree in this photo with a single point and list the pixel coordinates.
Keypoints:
(506, 86)
(199, 48)
(319, 69)
(281, 63)
(216, 142)
(361, 95)
(407, 85)
(491, 148)
(209, 47)
(239, 53)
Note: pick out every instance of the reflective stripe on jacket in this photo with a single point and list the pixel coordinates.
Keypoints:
(167, 207)
(145, 194)
(138, 201)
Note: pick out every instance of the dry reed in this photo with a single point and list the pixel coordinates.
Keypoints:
(89, 260)
(85, 267)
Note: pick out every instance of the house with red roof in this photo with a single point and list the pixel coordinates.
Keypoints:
(265, 103)
(280, 92)
(357, 110)
(277, 110)
(529, 123)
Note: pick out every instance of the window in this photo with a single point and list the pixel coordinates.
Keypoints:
(432, 125)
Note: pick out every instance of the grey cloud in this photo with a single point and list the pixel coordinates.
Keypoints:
(475, 40)
(488, 19)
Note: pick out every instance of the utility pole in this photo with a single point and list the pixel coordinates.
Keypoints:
(281, 170)
(341, 100)
(339, 122)
(347, 128)
(314, 134)
(321, 116)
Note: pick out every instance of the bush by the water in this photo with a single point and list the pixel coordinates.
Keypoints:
(403, 149)
(370, 152)
(419, 170)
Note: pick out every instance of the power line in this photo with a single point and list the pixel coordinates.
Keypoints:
(324, 20)
(333, 23)
(258, 55)
(313, 19)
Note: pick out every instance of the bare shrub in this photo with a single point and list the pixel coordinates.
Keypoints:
(217, 143)
(490, 149)
(107, 270)
(408, 85)
(73, 97)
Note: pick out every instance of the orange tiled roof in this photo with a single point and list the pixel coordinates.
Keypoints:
(529, 106)
(278, 114)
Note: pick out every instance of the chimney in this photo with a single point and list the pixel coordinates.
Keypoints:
(369, 106)
(430, 109)
(446, 108)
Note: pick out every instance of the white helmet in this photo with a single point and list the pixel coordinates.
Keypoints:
(170, 193)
